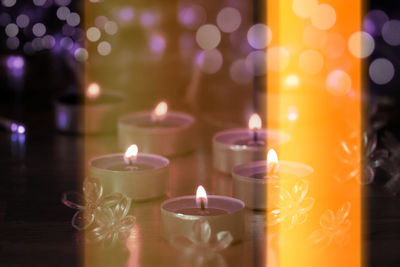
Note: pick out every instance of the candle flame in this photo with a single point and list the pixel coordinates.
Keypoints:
(255, 122)
(93, 91)
(201, 197)
(272, 162)
(131, 154)
(160, 111)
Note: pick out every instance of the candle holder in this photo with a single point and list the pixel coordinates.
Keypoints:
(172, 135)
(179, 215)
(237, 146)
(146, 179)
(95, 116)
(250, 180)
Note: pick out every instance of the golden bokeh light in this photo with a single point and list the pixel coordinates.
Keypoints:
(311, 61)
(323, 17)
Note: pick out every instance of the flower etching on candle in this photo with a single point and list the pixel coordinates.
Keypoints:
(333, 228)
(105, 218)
(199, 249)
(349, 153)
(292, 207)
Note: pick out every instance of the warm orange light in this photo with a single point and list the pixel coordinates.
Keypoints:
(93, 91)
(131, 154)
(272, 162)
(292, 81)
(255, 122)
(160, 111)
(201, 197)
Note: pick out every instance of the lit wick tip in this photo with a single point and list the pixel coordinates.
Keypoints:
(255, 124)
(201, 198)
(131, 154)
(159, 112)
(272, 162)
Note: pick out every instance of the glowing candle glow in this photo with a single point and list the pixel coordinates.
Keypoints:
(160, 112)
(131, 154)
(93, 91)
(255, 125)
(201, 198)
(272, 163)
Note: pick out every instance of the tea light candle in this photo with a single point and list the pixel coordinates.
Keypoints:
(140, 176)
(250, 179)
(160, 131)
(223, 214)
(238, 146)
(94, 112)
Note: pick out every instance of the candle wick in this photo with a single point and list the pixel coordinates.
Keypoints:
(255, 136)
(202, 205)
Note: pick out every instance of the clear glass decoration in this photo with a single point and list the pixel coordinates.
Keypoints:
(391, 165)
(334, 227)
(350, 156)
(199, 248)
(105, 218)
(292, 207)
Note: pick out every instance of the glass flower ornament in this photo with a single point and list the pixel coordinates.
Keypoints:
(292, 207)
(333, 228)
(392, 165)
(112, 222)
(104, 217)
(349, 153)
(199, 248)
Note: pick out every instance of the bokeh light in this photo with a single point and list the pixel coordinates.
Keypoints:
(66, 43)
(39, 2)
(111, 27)
(63, 12)
(313, 37)
(240, 73)
(104, 48)
(39, 29)
(48, 41)
(126, 14)
(278, 58)
(12, 43)
(311, 61)
(209, 61)
(304, 8)
(81, 54)
(334, 45)
(63, 2)
(8, 3)
(100, 21)
(149, 18)
(208, 36)
(256, 62)
(192, 16)
(381, 71)
(323, 17)
(361, 44)
(229, 19)
(93, 34)
(338, 83)
(11, 30)
(292, 113)
(73, 19)
(259, 36)
(22, 21)
(374, 21)
(157, 43)
(391, 32)
(292, 81)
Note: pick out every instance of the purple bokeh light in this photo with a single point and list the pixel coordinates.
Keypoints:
(157, 44)
(126, 14)
(374, 20)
